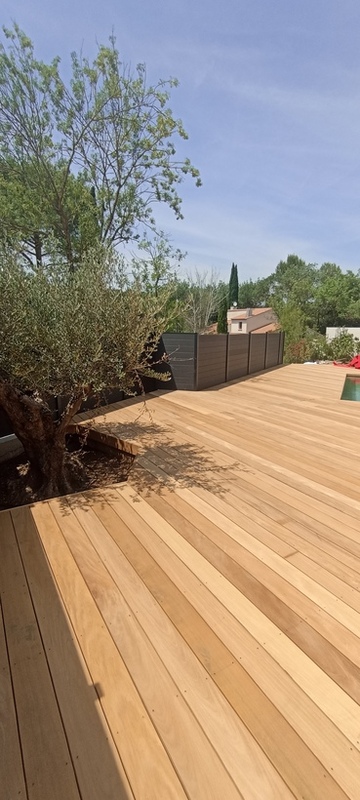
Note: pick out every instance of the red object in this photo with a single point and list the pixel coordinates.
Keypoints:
(354, 363)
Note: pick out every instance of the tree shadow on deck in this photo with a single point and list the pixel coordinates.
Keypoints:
(67, 749)
(164, 462)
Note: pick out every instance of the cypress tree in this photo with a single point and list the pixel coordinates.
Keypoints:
(233, 285)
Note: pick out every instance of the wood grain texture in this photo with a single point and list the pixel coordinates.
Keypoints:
(46, 758)
(197, 630)
(257, 624)
(97, 765)
(145, 761)
(12, 780)
(235, 746)
(162, 694)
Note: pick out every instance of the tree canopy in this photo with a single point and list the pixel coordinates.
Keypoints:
(84, 160)
(56, 340)
(325, 295)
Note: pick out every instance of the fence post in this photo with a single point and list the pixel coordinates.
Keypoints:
(248, 355)
(266, 348)
(226, 358)
(196, 362)
(281, 347)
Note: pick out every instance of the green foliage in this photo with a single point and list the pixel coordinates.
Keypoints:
(177, 306)
(292, 284)
(344, 346)
(233, 286)
(57, 340)
(222, 326)
(318, 348)
(314, 346)
(296, 352)
(31, 210)
(253, 294)
(336, 296)
(293, 322)
(93, 155)
(246, 295)
(326, 296)
(156, 264)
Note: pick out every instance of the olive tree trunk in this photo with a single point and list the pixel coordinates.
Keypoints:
(43, 439)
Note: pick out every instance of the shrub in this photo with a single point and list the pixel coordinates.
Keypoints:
(296, 352)
(317, 346)
(344, 346)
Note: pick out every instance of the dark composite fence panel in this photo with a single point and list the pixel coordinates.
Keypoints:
(272, 350)
(237, 355)
(257, 352)
(211, 360)
(281, 348)
(105, 398)
(181, 349)
(112, 396)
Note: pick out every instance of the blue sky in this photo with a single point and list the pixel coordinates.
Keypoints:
(270, 96)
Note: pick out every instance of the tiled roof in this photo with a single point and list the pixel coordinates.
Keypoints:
(242, 313)
(258, 310)
(273, 326)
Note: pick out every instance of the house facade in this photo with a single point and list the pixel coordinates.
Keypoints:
(251, 320)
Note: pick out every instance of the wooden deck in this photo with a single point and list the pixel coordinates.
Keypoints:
(194, 633)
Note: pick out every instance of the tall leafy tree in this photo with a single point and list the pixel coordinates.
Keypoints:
(246, 294)
(31, 212)
(336, 296)
(292, 322)
(293, 283)
(94, 154)
(233, 286)
(254, 293)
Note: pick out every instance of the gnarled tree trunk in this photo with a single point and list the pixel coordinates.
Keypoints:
(43, 439)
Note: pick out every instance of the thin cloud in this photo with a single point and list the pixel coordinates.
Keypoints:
(269, 94)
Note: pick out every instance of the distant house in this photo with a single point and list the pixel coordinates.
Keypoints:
(252, 320)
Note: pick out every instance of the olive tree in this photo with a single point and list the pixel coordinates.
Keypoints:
(73, 334)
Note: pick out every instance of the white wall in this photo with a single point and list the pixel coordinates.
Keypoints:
(331, 333)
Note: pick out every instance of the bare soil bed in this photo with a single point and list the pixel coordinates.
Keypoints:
(92, 469)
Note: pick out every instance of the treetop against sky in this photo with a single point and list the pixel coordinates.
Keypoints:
(269, 94)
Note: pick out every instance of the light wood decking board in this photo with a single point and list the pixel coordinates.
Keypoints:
(194, 633)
